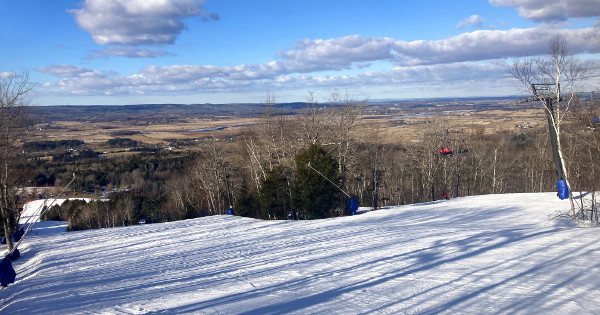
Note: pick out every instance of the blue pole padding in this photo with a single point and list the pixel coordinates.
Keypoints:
(353, 205)
(563, 189)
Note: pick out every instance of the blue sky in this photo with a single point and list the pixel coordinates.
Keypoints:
(84, 52)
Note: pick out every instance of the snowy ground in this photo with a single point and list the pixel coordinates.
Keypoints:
(475, 255)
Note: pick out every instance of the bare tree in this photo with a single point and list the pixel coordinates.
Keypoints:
(209, 176)
(554, 80)
(313, 121)
(13, 95)
(346, 112)
(253, 158)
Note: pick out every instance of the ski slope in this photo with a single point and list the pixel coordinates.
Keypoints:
(493, 254)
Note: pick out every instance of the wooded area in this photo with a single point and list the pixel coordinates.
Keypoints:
(262, 173)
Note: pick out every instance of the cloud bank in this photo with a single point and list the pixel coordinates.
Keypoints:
(469, 57)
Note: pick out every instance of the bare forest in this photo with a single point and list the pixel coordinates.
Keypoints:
(376, 172)
(260, 171)
(304, 162)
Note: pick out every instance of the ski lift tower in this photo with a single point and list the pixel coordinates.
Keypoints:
(548, 93)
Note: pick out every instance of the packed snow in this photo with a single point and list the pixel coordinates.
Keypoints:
(505, 254)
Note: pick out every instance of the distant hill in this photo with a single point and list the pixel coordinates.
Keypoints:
(161, 112)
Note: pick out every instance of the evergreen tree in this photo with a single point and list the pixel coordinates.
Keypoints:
(314, 195)
(274, 197)
(247, 204)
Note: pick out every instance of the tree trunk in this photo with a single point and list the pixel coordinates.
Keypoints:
(6, 213)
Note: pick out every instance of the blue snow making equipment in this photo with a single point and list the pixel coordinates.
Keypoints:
(353, 205)
(563, 189)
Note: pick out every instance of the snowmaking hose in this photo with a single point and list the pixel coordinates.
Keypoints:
(338, 187)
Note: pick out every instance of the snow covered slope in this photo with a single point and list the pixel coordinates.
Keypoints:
(473, 255)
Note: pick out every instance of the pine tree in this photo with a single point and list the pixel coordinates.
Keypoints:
(274, 197)
(247, 204)
(314, 196)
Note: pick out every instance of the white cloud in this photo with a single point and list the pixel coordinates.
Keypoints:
(65, 70)
(127, 51)
(471, 21)
(346, 52)
(335, 54)
(137, 22)
(552, 10)
(7, 75)
(490, 44)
